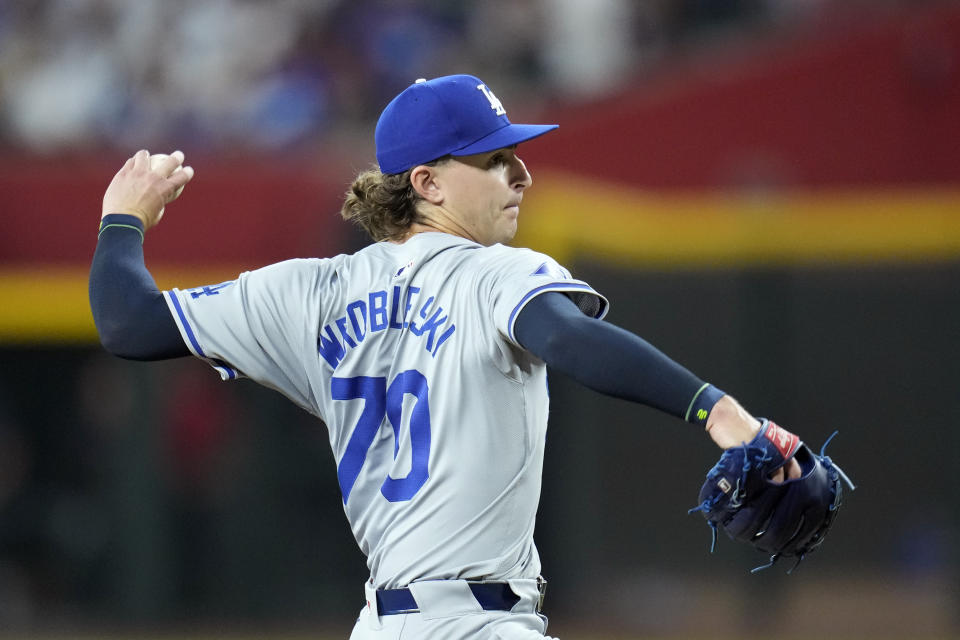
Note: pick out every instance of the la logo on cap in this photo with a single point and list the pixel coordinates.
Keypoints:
(495, 103)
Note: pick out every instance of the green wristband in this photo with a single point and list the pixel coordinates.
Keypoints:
(702, 402)
(104, 227)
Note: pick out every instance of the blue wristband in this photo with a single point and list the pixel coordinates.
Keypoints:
(702, 403)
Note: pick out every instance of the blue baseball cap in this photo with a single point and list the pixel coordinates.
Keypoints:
(452, 115)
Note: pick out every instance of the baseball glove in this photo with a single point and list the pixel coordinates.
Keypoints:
(788, 519)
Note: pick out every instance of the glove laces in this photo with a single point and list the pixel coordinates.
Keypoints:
(738, 494)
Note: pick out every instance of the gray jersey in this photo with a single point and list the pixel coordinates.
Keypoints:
(436, 415)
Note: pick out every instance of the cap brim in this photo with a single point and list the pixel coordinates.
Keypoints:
(505, 137)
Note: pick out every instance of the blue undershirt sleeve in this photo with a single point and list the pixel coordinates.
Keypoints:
(611, 360)
(129, 311)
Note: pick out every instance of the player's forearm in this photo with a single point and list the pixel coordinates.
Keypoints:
(611, 360)
(129, 311)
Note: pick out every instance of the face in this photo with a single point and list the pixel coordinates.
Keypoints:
(482, 193)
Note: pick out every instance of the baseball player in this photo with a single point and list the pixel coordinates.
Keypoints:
(425, 355)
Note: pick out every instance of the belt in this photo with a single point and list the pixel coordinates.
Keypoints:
(492, 596)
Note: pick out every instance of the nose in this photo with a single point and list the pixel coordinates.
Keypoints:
(520, 178)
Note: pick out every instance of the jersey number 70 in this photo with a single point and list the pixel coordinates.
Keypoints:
(379, 401)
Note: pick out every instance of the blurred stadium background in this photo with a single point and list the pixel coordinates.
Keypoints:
(769, 190)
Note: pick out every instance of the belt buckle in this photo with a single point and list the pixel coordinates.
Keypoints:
(542, 588)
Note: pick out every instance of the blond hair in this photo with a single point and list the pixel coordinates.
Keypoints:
(383, 204)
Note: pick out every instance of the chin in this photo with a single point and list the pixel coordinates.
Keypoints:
(507, 235)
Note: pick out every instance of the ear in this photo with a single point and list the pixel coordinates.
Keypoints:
(425, 183)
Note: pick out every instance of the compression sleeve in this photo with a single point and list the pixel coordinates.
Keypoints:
(611, 360)
(129, 311)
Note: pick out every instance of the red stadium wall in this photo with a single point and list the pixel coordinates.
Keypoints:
(868, 103)
(236, 213)
(836, 144)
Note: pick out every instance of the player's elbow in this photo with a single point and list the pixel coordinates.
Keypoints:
(117, 337)
(122, 328)
(134, 322)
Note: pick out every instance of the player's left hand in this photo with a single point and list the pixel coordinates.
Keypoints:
(730, 425)
(745, 497)
(143, 192)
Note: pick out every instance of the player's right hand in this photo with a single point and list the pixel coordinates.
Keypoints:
(139, 191)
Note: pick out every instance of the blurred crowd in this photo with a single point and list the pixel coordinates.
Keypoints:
(78, 74)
